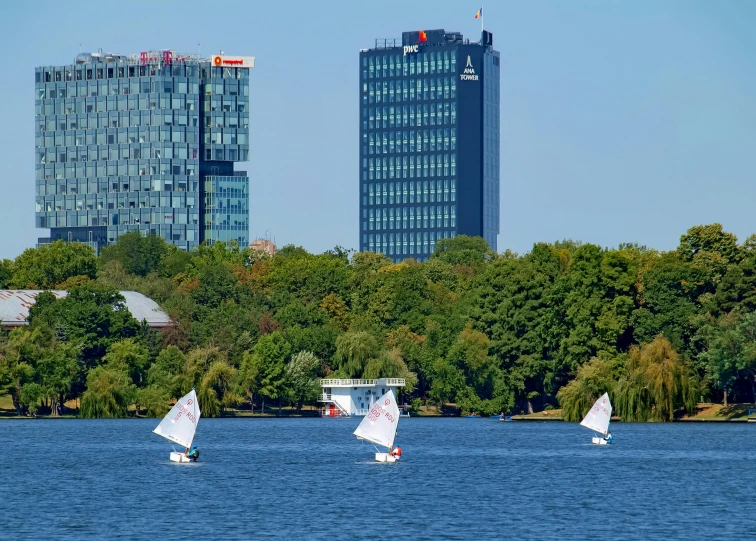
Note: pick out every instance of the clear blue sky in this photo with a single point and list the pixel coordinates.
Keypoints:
(621, 121)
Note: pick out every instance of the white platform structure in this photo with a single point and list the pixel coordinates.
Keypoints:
(347, 397)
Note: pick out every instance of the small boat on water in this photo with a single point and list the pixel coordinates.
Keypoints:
(180, 426)
(379, 427)
(598, 419)
(473, 415)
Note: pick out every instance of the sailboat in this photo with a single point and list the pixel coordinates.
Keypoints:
(379, 427)
(180, 425)
(598, 419)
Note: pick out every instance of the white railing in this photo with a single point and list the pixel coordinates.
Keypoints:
(325, 397)
(388, 382)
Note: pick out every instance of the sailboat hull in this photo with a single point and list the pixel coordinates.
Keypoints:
(384, 457)
(599, 441)
(179, 457)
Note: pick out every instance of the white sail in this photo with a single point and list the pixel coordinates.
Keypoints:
(599, 416)
(181, 422)
(379, 425)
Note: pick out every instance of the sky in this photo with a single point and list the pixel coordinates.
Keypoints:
(623, 121)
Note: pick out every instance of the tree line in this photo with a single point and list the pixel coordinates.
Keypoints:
(488, 332)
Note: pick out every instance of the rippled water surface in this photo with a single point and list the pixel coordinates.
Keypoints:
(311, 479)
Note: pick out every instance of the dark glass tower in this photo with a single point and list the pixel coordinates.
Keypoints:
(144, 142)
(429, 142)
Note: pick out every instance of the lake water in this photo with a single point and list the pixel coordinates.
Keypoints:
(311, 479)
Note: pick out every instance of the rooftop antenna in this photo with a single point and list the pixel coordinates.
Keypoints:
(79, 48)
(198, 51)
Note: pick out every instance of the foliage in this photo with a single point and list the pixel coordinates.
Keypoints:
(486, 332)
(109, 393)
(658, 383)
(592, 380)
(137, 254)
(51, 264)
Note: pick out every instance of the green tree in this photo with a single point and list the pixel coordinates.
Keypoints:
(216, 390)
(6, 272)
(300, 378)
(109, 393)
(57, 370)
(131, 356)
(658, 383)
(166, 372)
(353, 350)
(710, 248)
(52, 264)
(730, 352)
(92, 316)
(592, 380)
(18, 358)
(447, 381)
(463, 250)
(250, 376)
(272, 351)
(136, 253)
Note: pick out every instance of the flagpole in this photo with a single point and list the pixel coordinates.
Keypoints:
(481, 22)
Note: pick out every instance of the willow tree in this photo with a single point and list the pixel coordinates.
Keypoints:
(216, 389)
(659, 382)
(353, 351)
(109, 393)
(593, 379)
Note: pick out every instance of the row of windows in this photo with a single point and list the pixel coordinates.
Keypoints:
(137, 185)
(426, 191)
(151, 102)
(408, 116)
(135, 217)
(398, 65)
(405, 167)
(123, 89)
(227, 234)
(224, 204)
(144, 102)
(404, 141)
(129, 90)
(81, 72)
(135, 144)
(101, 168)
(410, 90)
(155, 142)
(235, 186)
(433, 217)
(136, 119)
(406, 244)
(133, 200)
(123, 167)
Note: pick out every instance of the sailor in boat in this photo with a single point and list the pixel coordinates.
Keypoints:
(608, 437)
(396, 451)
(193, 453)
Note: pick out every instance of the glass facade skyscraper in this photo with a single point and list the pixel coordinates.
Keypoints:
(429, 142)
(143, 142)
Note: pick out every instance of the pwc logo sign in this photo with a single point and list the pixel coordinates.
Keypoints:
(234, 61)
(422, 37)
